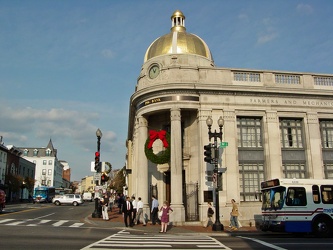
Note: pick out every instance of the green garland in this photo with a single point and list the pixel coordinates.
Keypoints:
(161, 157)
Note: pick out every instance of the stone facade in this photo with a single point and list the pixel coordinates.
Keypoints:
(274, 124)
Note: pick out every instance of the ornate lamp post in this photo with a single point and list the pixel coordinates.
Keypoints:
(217, 226)
(97, 213)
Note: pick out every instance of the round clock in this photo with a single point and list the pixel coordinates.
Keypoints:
(154, 71)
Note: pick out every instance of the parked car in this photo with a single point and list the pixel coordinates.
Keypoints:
(73, 199)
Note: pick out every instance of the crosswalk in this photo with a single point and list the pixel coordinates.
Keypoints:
(35, 222)
(127, 240)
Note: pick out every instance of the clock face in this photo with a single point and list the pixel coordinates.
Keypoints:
(154, 71)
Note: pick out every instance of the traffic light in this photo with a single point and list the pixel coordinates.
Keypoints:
(209, 149)
(97, 162)
(104, 178)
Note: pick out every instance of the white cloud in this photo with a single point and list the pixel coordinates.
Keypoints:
(243, 17)
(107, 53)
(28, 124)
(264, 38)
(304, 8)
(268, 32)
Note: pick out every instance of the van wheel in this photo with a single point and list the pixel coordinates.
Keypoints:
(75, 203)
(57, 203)
(322, 227)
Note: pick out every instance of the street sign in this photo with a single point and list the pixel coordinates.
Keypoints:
(223, 144)
(97, 176)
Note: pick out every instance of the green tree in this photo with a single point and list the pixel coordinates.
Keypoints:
(118, 181)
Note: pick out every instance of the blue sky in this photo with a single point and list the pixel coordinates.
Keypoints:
(70, 67)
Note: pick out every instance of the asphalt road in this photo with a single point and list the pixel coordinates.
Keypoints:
(45, 226)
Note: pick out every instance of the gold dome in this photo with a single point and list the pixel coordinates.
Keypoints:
(178, 41)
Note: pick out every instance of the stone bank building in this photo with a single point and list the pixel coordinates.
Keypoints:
(277, 124)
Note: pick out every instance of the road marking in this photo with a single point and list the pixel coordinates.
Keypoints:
(59, 223)
(77, 225)
(15, 223)
(144, 241)
(6, 220)
(44, 221)
(42, 216)
(35, 222)
(263, 243)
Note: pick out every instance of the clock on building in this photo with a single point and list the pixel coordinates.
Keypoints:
(154, 71)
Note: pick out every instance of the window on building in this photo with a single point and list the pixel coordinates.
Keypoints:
(49, 171)
(246, 77)
(12, 169)
(43, 182)
(35, 152)
(294, 170)
(43, 171)
(48, 152)
(50, 162)
(44, 162)
(291, 133)
(251, 156)
(25, 152)
(250, 178)
(323, 81)
(287, 79)
(328, 169)
(326, 131)
(49, 183)
(249, 132)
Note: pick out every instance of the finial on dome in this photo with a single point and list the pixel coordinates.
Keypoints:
(178, 21)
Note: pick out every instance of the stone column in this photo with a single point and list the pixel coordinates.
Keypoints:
(141, 163)
(230, 157)
(272, 145)
(176, 166)
(314, 150)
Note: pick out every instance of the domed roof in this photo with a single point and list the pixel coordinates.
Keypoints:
(178, 41)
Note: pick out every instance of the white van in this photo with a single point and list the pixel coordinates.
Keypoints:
(87, 196)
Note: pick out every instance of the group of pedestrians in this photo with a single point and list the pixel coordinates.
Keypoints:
(132, 211)
(234, 223)
(133, 214)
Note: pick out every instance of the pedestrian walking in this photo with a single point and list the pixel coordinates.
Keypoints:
(111, 202)
(127, 212)
(166, 210)
(234, 215)
(134, 203)
(140, 213)
(154, 210)
(210, 213)
(104, 203)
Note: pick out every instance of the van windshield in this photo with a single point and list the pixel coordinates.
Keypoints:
(273, 199)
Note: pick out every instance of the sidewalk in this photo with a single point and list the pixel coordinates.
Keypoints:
(117, 221)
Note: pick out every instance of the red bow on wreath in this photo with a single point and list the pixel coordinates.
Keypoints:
(153, 135)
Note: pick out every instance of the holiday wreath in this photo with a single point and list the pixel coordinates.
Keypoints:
(162, 157)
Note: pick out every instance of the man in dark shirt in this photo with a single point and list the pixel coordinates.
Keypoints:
(127, 212)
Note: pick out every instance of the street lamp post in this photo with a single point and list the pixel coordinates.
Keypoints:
(217, 226)
(97, 213)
